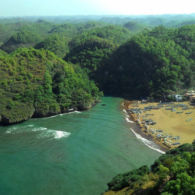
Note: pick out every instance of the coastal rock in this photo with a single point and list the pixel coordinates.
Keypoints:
(48, 83)
(17, 114)
(84, 107)
(46, 109)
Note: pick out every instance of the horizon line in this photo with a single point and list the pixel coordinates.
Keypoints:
(96, 15)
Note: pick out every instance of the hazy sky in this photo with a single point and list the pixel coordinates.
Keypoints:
(94, 7)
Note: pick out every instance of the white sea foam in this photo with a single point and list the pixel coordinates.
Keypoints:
(11, 130)
(39, 129)
(60, 134)
(42, 132)
(56, 134)
(127, 117)
(62, 114)
(129, 121)
(124, 111)
(74, 112)
(148, 143)
(30, 125)
(52, 116)
(78, 112)
(45, 132)
(8, 131)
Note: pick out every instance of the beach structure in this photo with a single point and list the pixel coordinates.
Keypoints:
(178, 97)
(192, 99)
(189, 94)
(144, 101)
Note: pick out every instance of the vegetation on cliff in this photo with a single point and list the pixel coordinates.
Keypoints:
(172, 173)
(38, 83)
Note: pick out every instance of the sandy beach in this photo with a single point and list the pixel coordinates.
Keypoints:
(138, 131)
(168, 125)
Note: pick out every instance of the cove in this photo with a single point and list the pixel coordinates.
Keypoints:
(74, 153)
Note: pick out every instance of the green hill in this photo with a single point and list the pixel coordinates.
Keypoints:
(147, 66)
(38, 83)
(20, 39)
(90, 52)
(134, 26)
(116, 34)
(57, 43)
(172, 173)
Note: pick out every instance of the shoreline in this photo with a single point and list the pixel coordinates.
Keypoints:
(44, 117)
(138, 130)
(49, 115)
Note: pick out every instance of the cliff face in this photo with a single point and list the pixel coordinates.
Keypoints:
(36, 83)
(172, 173)
(17, 114)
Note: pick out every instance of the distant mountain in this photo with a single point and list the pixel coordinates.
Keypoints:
(57, 43)
(20, 39)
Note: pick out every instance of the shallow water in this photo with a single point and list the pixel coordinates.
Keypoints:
(71, 154)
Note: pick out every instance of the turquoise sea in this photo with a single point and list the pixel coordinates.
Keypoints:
(70, 154)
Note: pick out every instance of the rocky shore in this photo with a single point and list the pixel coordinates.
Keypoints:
(27, 111)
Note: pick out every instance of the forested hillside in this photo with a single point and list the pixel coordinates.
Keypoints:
(152, 64)
(172, 173)
(90, 52)
(21, 39)
(10, 27)
(128, 58)
(57, 43)
(38, 83)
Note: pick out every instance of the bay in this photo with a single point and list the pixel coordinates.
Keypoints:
(71, 154)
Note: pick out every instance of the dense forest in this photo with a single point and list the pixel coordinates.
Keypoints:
(38, 83)
(151, 64)
(172, 173)
(49, 65)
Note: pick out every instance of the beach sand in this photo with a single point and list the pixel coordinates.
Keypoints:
(170, 118)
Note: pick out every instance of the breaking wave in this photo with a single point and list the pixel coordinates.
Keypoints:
(60, 134)
(148, 143)
(56, 134)
(129, 121)
(42, 131)
(62, 114)
(127, 117)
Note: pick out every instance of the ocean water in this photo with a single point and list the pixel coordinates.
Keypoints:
(70, 154)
